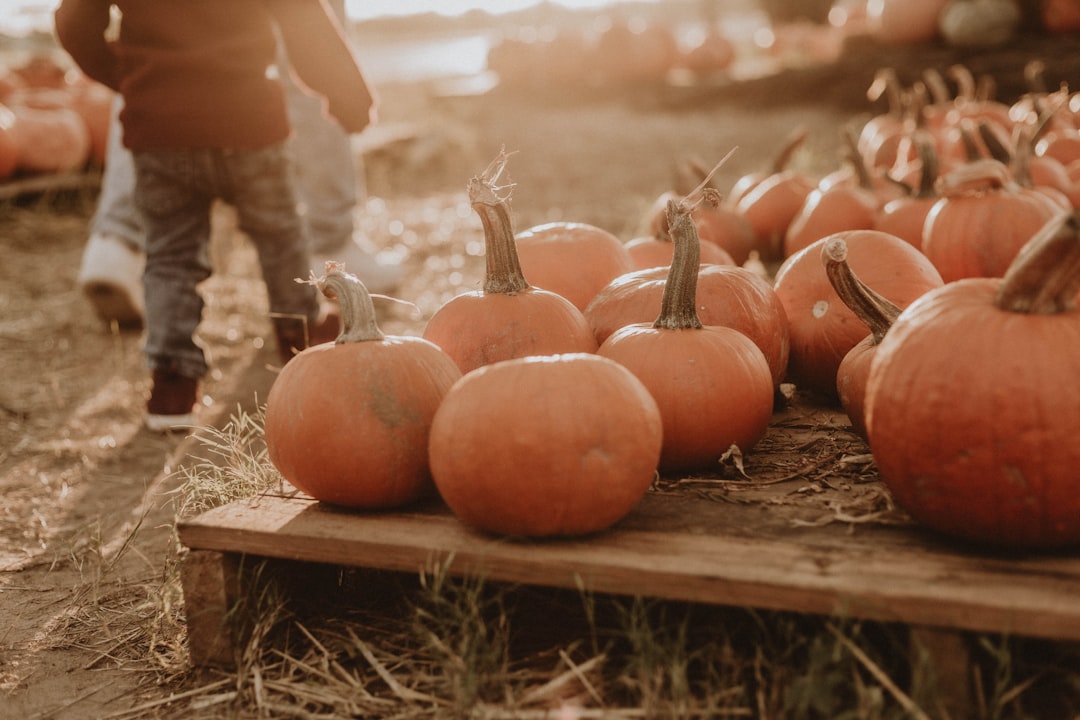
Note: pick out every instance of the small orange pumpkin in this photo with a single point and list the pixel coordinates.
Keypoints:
(348, 421)
(713, 384)
(571, 259)
(508, 318)
(822, 328)
(726, 295)
(544, 446)
(981, 220)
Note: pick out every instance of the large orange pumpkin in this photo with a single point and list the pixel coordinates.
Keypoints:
(822, 328)
(348, 421)
(542, 446)
(972, 407)
(508, 318)
(713, 385)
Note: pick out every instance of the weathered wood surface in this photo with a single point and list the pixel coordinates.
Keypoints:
(688, 545)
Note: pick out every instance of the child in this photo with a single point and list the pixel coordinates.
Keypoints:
(206, 120)
(328, 182)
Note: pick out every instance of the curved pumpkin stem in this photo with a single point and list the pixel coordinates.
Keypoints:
(878, 312)
(794, 141)
(1044, 279)
(503, 268)
(678, 308)
(928, 164)
(357, 311)
(886, 84)
(855, 158)
(977, 176)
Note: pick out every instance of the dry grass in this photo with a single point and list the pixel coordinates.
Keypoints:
(361, 643)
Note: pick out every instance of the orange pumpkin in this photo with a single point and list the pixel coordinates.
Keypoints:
(1060, 16)
(905, 216)
(830, 210)
(771, 205)
(822, 328)
(971, 409)
(982, 220)
(718, 222)
(571, 259)
(508, 318)
(905, 22)
(50, 140)
(545, 446)
(348, 421)
(9, 148)
(726, 295)
(712, 383)
(650, 251)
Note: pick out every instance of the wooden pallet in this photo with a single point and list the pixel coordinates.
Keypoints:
(735, 542)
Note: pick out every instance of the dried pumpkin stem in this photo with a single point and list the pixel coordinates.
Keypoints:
(855, 158)
(678, 308)
(875, 310)
(357, 311)
(794, 141)
(503, 273)
(1044, 279)
(886, 84)
(928, 164)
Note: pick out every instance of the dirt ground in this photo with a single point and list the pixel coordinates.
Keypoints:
(89, 496)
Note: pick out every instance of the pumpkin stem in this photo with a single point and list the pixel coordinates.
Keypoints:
(1044, 279)
(874, 309)
(1035, 77)
(928, 164)
(939, 89)
(794, 141)
(977, 176)
(678, 308)
(357, 311)
(886, 84)
(993, 142)
(858, 164)
(503, 268)
(705, 192)
(972, 149)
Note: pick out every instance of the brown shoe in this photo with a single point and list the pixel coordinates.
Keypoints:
(294, 334)
(172, 402)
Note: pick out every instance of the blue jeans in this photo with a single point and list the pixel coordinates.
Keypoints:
(175, 191)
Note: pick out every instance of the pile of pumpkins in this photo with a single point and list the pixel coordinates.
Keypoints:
(616, 51)
(929, 288)
(957, 23)
(53, 119)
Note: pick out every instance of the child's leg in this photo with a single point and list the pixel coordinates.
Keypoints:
(173, 198)
(261, 187)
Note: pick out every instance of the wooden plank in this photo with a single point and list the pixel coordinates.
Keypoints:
(685, 547)
(210, 584)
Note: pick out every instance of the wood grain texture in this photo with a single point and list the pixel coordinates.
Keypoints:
(686, 547)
